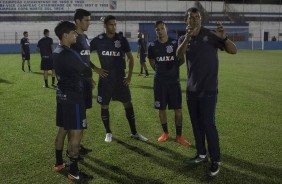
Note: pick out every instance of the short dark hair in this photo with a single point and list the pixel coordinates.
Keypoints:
(45, 31)
(159, 22)
(64, 27)
(80, 13)
(25, 32)
(108, 18)
(190, 10)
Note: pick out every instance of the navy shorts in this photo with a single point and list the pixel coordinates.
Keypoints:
(26, 56)
(87, 93)
(71, 111)
(109, 89)
(46, 64)
(142, 58)
(71, 116)
(167, 94)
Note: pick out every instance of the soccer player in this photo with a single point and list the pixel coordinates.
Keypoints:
(71, 112)
(200, 46)
(113, 83)
(82, 47)
(45, 47)
(167, 89)
(25, 51)
(141, 53)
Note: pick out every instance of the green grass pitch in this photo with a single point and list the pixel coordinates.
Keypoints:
(249, 121)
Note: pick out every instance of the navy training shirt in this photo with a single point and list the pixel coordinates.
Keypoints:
(82, 47)
(69, 69)
(202, 61)
(166, 62)
(25, 44)
(111, 52)
(143, 45)
(45, 45)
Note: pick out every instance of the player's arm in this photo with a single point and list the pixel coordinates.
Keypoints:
(230, 47)
(182, 46)
(181, 59)
(100, 71)
(152, 63)
(22, 50)
(130, 68)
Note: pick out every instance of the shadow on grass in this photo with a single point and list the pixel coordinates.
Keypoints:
(5, 81)
(123, 175)
(243, 172)
(141, 86)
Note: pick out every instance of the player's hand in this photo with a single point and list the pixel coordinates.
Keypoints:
(102, 72)
(126, 81)
(219, 32)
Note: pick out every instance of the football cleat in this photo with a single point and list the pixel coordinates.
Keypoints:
(181, 140)
(163, 137)
(80, 176)
(197, 159)
(108, 137)
(59, 167)
(139, 137)
(214, 169)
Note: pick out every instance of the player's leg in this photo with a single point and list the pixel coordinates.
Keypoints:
(23, 61)
(104, 97)
(178, 127)
(59, 145)
(144, 65)
(160, 103)
(198, 131)
(73, 150)
(60, 138)
(53, 78)
(208, 108)
(45, 76)
(163, 119)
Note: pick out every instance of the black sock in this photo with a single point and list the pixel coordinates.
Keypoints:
(164, 126)
(106, 119)
(73, 166)
(46, 82)
(28, 67)
(178, 129)
(147, 73)
(59, 157)
(141, 70)
(22, 66)
(53, 80)
(131, 119)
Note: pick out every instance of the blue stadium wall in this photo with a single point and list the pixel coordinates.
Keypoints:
(269, 45)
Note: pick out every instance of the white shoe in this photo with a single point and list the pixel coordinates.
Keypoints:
(108, 137)
(139, 137)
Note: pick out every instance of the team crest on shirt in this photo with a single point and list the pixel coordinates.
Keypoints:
(169, 49)
(205, 39)
(117, 44)
(173, 42)
(100, 37)
(99, 99)
(157, 104)
(84, 123)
